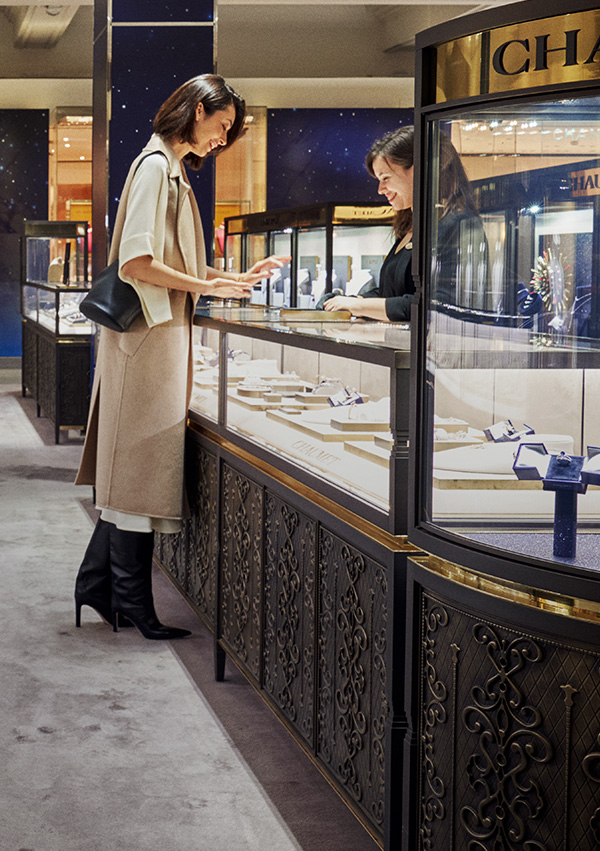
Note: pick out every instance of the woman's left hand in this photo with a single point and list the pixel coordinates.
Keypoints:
(343, 302)
(265, 267)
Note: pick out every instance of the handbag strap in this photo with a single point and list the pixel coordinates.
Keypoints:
(122, 210)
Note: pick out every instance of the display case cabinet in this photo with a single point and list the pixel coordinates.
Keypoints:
(56, 336)
(326, 401)
(332, 246)
(503, 742)
(288, 556)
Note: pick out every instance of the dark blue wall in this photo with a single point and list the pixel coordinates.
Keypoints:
(148, 64)
(23, 195)
(317, 155)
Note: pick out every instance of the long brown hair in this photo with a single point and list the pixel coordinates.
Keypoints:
(395, 147)
(455, 193)
(176, 118)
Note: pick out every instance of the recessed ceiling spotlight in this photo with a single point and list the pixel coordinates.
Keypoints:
(53, 11)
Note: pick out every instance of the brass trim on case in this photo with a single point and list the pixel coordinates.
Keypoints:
(395, 543)
(523, 595)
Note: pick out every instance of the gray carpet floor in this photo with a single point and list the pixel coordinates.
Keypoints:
(110, 741)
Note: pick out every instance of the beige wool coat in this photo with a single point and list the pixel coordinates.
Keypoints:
(134, 446)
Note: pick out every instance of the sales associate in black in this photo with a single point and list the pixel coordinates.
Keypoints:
(390, 161)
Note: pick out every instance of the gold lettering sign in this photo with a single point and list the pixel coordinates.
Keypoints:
(562, 49)
(351, 214)
(584, 183)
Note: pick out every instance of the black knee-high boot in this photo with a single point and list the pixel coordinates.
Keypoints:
(93, 583)
(131, 572)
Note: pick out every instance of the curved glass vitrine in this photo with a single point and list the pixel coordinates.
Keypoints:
(509, 322)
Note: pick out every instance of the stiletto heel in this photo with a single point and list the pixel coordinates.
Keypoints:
(99, 607)
(93, 583)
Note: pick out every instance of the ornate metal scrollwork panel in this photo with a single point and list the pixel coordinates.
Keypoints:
(241, 566)
(352, 638)
(203, 537)
(507, 736)
(168, 551)
(289, 600)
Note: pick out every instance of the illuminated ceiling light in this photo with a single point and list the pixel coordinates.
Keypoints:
(67, 145)
(65, 138)
(53, 11)
(81, 158)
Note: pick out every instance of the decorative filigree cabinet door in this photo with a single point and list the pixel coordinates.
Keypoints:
(241, 568)
(289, 600)
(353, 706)
(509, 735)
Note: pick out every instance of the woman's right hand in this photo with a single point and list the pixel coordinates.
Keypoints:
(226, 288)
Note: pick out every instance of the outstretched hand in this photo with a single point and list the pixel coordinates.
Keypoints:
(264, 268)
(226, 288)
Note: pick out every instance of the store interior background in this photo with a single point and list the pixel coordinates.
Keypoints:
(322, 81)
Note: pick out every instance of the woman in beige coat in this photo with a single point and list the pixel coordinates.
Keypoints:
(134, 448)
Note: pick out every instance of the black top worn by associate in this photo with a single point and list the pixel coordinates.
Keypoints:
(396, 284)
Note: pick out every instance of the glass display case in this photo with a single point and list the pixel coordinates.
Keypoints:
(55, 253)
(510, 270)
(327, 399)
(55, 275)
(55, 307)
(332, 246)
(504, 619)
(56, 335)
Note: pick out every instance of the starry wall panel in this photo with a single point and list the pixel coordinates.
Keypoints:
(148, 64)
(168, 10)
(317, 155)
(23, 195)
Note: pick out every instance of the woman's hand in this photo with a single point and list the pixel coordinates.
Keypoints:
(343, 302)
(226, 288)
(264, 268)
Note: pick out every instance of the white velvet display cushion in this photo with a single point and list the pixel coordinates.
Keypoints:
(366, 412)
(496, 458)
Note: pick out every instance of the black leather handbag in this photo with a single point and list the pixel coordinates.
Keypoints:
(111, 302)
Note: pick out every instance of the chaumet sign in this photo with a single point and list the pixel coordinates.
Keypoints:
(561, 49)
(584, 183)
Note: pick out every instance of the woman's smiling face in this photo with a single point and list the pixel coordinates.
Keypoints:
(395, 182)
(210, 131)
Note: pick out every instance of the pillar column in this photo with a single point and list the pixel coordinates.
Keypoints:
(143, 50)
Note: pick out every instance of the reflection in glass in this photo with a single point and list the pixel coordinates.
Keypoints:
(280, 282)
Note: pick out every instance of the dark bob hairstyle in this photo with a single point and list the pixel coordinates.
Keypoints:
(177, 116)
